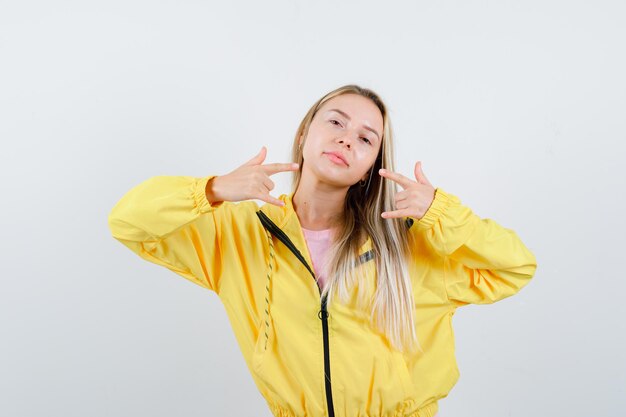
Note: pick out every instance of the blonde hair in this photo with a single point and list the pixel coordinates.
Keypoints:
(392, 307)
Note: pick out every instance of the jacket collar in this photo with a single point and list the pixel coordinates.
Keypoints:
(286, 219)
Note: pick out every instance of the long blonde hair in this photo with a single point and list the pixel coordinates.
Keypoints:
(392, 306)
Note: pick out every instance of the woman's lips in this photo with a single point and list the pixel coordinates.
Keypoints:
(336, 159)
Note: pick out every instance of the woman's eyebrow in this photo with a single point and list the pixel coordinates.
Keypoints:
(344, 114)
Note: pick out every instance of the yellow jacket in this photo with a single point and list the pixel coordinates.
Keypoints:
(256, 260)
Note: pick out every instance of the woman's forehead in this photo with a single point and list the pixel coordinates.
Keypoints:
(355, 107)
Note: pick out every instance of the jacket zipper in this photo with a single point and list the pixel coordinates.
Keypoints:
(322, 314)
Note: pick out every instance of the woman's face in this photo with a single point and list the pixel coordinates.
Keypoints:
(351, 126)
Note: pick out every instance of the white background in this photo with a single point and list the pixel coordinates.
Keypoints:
(518, 108)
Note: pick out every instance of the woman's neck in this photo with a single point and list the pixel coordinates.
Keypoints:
(319, 213)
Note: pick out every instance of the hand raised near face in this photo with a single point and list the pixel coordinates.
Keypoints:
(250, 181)
(416, 196)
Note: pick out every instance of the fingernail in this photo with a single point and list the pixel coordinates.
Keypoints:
(295, 165)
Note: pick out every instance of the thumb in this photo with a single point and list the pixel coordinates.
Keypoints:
(419, 174)
(258, 158)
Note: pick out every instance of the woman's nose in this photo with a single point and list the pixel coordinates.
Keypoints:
(346, 139)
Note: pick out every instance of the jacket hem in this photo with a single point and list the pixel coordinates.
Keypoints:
(403, 410)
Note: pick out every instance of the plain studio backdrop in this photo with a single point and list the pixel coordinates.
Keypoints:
(519, 109)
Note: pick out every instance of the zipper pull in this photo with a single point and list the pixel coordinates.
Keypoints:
(322, 314)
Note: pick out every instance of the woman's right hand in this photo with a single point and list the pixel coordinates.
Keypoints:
(251, 181)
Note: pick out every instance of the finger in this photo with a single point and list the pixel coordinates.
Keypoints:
(271, 169)
(394, 176)
(258, 158)
(268, 183)
(419, 174)
(269, 199)
(400, 205)
(416, 171)
(263, 194)
(401, 195)
(396, 214)
(424, 176)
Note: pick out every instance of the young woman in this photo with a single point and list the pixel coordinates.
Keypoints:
(340, 293)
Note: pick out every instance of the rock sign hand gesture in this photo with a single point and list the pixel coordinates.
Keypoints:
(416, 197)
(248, 182)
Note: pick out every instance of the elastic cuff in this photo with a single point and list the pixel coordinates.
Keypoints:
(199, 194)
(437, 208)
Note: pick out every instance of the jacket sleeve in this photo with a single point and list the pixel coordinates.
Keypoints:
(483, 261)
(167, 220)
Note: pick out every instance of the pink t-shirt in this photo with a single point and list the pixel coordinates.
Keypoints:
(318, 242)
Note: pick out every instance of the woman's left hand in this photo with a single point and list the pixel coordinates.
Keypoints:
(416, 197)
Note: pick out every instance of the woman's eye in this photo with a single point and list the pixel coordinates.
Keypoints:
(336, 123)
